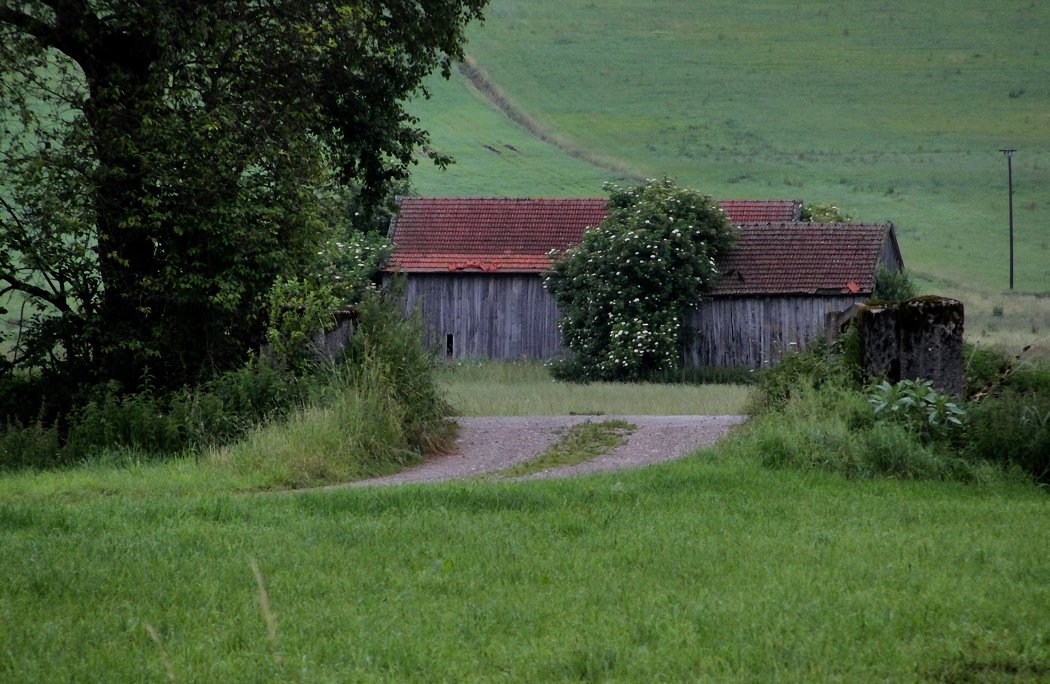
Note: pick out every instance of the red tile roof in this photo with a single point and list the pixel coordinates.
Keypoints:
(761, 211)
(804, 258)
(515, 234)
(487, 233)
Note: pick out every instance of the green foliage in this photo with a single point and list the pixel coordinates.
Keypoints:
(390, 346)
(824, 212)
(810, 369)
(1009, 420)
(154, 425)
(29, 446)
(893, 286)
(300, 308)
(623, 290)
(918, 406)
(1012, 428)
(809, 411)
(342, 273)
(350, 264)
(155, 189)
(984, 367)
(376, 409)
(834, 428)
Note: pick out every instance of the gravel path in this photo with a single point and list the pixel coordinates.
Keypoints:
(494, 443)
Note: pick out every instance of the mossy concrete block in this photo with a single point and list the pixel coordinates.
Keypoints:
(918, 339)
(931, 342)
(879, 342)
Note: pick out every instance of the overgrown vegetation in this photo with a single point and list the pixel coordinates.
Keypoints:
(824, 212)
(622, 291)
(815, 410)
(893, 286)
(375, 407)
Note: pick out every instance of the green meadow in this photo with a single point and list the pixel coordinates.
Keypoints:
(892, 110)
(709, 568)
(699, 570)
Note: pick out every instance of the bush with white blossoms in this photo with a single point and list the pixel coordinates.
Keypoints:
(622, 291)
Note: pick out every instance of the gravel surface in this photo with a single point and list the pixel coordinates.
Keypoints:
(490, 444)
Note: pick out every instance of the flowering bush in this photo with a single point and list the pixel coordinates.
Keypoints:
(622, 291)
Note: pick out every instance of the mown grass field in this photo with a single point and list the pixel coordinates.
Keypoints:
(891, 110)
(708, 568)
(481, 389)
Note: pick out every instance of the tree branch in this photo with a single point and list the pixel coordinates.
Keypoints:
(41, 30)
(32, 290)
(72, 18)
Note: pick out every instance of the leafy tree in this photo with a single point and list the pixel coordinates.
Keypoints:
(622, 291)
(165, 162)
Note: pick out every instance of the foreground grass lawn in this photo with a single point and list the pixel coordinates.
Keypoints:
(706, 568)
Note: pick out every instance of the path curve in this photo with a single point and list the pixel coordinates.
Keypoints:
(489, 444)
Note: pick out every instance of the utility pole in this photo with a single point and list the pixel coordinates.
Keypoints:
(1010, 180)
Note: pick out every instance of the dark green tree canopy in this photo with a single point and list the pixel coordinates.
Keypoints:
(164, 162)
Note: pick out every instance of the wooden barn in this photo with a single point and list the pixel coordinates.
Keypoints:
(779, 284)
(472, 266)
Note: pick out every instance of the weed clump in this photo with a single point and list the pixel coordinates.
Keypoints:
(814, 410)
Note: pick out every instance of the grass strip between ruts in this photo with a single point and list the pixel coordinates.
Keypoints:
(579, 443)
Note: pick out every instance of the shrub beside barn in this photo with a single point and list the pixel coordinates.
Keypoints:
(472, 266)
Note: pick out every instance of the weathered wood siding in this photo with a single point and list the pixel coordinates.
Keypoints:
(496, 316)
(752, 332)
(511, 316)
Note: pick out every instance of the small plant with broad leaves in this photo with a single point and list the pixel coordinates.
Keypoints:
(919, 406)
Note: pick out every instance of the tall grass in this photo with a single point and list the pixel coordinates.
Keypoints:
(370, 412)
(526, 388)
(360, 432)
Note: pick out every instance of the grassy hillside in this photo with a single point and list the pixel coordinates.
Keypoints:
(892, 109)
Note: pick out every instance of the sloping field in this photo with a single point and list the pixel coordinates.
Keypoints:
(892, 110)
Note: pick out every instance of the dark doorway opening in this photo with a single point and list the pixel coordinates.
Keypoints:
(448, 345)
